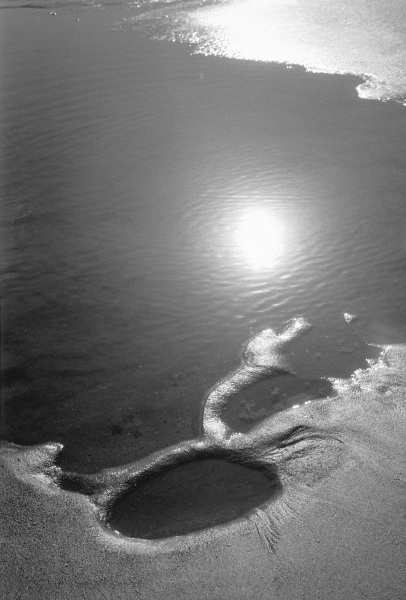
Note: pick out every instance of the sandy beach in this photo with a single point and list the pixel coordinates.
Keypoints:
(338, 529)
(128, 298)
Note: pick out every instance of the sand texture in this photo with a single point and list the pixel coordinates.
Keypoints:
(336, 529)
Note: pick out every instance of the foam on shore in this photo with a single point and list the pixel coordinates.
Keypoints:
(359, 38)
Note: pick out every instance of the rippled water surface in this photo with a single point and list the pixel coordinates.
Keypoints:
(160, 206)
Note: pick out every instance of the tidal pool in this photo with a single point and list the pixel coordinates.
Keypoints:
(192, 497)
(161, 207)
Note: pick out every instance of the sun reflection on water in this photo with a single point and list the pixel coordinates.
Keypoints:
(244, 29)
(260, 238)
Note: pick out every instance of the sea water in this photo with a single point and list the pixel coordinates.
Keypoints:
(169, 191)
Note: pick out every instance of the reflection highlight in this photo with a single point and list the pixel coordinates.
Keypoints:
(259, 237)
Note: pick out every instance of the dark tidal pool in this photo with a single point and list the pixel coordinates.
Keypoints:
(192, 497)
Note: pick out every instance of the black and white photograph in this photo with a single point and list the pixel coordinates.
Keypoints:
(203, 299)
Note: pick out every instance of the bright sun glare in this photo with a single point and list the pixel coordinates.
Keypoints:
(260, 238)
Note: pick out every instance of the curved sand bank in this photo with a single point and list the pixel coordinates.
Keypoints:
(336, 530)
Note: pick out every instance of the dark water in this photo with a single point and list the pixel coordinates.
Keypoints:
(192, 497)
(159, 208)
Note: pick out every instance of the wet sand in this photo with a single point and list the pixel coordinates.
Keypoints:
(337, 528)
